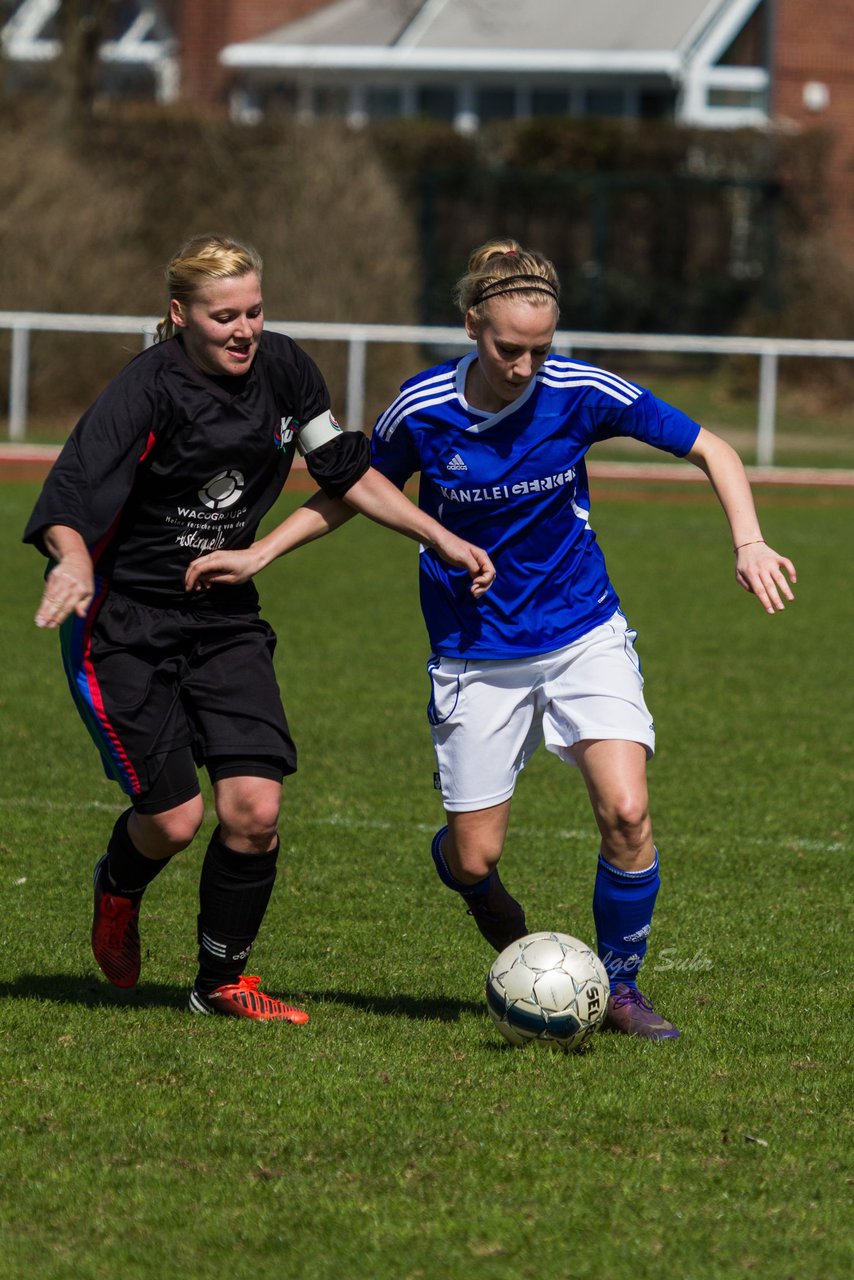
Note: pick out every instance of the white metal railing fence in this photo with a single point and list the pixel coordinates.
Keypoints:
(358, 337)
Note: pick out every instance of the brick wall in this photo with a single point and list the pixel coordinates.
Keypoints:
(206, 26)
(813, 69)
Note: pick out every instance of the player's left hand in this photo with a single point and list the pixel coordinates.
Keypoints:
(469, 557)
(762, 571)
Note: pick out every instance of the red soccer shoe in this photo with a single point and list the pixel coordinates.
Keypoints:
(242, 999)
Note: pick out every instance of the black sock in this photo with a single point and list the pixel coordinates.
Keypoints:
(128, 871)
(234, 891)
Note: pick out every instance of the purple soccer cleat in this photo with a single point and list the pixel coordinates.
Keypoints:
(633, 1015)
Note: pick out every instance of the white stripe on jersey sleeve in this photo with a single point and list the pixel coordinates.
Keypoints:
(411, 394)
(588, 382)
(432, 391)
(560, 366)
(389, 428)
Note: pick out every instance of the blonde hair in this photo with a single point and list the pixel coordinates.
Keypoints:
(502, 267)
(200, 260)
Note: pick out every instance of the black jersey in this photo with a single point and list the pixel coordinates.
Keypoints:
(170, 463)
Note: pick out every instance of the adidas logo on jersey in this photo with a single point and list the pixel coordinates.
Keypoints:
(456, 464)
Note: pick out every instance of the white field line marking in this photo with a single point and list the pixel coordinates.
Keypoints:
(57, 806)
(806, 844)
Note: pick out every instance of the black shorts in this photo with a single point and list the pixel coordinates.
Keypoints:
(151, 682)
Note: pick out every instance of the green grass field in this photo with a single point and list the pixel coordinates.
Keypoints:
(396, 1137)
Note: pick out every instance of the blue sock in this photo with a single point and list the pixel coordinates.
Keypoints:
(446, 876)
(623, 903)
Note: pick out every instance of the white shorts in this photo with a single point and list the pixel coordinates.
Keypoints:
(488, 718)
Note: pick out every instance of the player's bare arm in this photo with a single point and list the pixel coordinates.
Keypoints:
(372, 495)
(70, 585)
(315, 518)
(759, 568)
(376, 497)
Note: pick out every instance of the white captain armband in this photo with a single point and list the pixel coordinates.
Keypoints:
(317, 432)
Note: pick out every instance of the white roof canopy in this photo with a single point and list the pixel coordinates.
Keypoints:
(607, 33)
(677, 42)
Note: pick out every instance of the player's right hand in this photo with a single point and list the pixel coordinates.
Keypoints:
(221, 568)
(69, 588)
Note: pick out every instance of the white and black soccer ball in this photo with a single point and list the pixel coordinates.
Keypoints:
(547, 987)
(223, 490)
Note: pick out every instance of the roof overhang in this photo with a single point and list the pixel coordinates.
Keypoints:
(270, 56)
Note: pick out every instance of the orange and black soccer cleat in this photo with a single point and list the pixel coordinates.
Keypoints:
(115, 932)
(242, 999)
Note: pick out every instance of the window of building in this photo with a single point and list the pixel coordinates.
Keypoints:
(750, 46)
(383, 102)
(495, 104)
(604, 102)
(656, 104)
(550, 102)
(439, 102)
(331, 100)
(282, 99)
(737, 98)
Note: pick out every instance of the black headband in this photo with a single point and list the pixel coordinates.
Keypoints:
(513, 284)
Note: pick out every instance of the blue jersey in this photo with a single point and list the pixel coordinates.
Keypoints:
(515, 483)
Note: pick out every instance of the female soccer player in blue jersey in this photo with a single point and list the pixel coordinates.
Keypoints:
(184, 451)
(500, 438)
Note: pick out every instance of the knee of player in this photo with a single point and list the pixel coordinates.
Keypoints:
(472, 859)
(250, 817)
(167, 833)
(628, 817)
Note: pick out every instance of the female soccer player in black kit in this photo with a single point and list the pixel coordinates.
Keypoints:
(184, 453)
